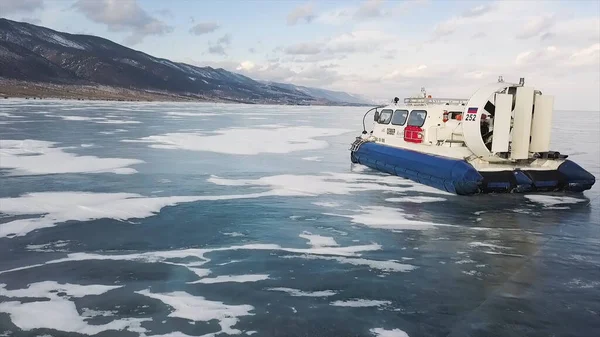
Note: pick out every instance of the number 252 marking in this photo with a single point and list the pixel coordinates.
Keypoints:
(470, 117)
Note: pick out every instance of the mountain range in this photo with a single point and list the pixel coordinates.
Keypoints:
(38, 61)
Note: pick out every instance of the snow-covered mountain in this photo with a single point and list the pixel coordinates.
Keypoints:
(38, 54)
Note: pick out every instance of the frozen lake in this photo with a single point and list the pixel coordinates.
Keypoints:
(165, 219)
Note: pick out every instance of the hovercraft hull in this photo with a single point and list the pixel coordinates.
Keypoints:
(459, 177)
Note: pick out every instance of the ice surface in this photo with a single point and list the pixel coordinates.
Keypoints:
(318, 240)
(166, 256)
(233, 278)
(360, 303)
(416, 199)
(190, 114)
(550, 200)
(57, 207)
(380, 332)
(300, 293)
(197, 308)
(117, 121)
(33, 157)
(327, 204)
(8, 115)
(246, 141)
(327, 183)
(487, 245)
(374, 264)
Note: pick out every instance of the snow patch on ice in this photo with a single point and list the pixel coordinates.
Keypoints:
(234, 234)
(8, 115)
(326, 204)
(380, 332)
(246, 141)
(117, 121)
(318, 241)
(300, 293)
(57, 312)
(549, 200)
(416, 199)
(199, 309)
(57, 207)
(487, 245)
(387, 218)
(33, 157)
(190, 114)
(312, 158)
(200, 259)
(328, 183)
(56, 246)
(112, 132)
(390, 266)
(233, 278)
(360, 303)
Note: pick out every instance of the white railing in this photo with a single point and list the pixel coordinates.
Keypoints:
(424, 101)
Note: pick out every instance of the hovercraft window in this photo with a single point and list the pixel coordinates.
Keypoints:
(385, 116)
(454, 114)
(417, 118)
(399, 117)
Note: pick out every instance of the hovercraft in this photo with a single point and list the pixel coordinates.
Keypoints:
(497, 141)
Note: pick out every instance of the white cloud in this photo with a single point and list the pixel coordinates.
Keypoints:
(219, 47)
(477, 11)
(123, 15)
(246, 65)
(304, 48)
(586, 56)
(370, 9)
(19, 6)
(536, 26)
(204, 28)
(303, 12)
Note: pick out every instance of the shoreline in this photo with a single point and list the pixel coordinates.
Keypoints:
(96, 92)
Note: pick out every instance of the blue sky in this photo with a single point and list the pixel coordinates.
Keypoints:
(377, 48)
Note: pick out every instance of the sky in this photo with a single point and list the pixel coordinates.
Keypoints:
(376, 48)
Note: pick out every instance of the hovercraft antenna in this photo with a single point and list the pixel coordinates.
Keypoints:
(365, 116)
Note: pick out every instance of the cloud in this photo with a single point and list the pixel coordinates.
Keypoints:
(370, 9)
(225, 39)
(246, 65)
(218, 48)
(589, 56)
(204, 28)
(536, 26)
(336, 16)
(445, 28)
(303, 12)
(14, 6)
(477, 11)
(165, 13)
(123, 16)
(310, 48)
(359, 41)
(479, 35)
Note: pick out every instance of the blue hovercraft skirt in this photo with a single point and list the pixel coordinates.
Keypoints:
(459, 177)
